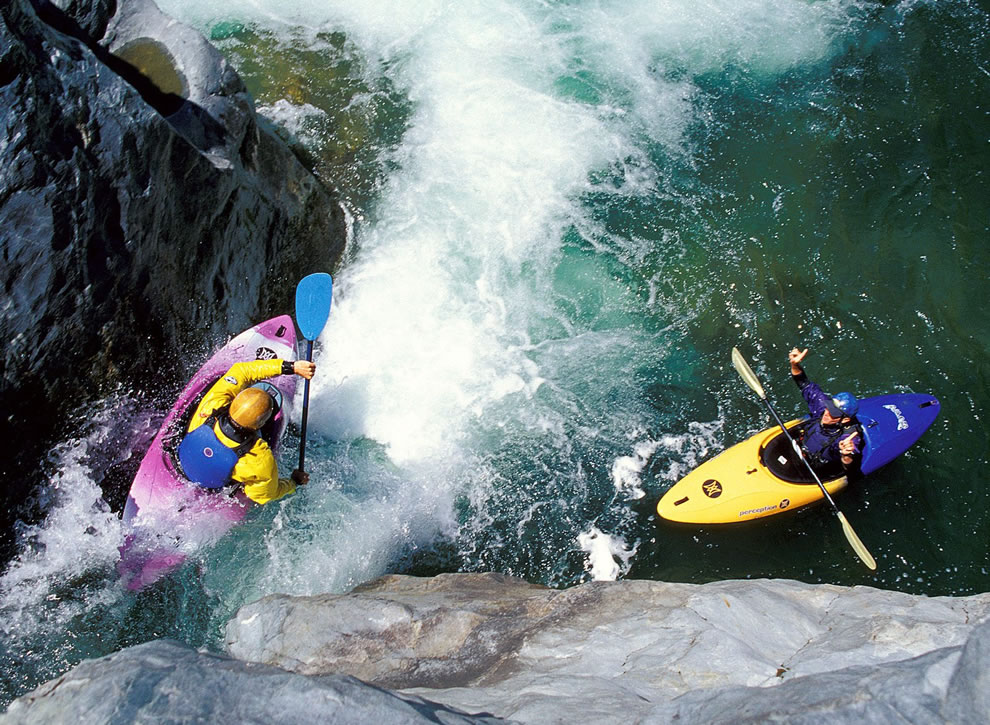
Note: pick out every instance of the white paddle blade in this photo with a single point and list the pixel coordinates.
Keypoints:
(746, 373)
(856, 544)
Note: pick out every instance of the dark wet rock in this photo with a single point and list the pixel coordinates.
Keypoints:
(168, 682)
(146, 212)
(92, 16)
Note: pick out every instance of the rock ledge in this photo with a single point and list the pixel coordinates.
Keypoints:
(609, 652)
(625, 651)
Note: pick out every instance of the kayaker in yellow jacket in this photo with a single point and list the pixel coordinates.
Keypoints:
(237, 412)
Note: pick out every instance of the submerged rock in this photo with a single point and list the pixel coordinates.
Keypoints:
(144, 209)
(168, 682)
(638, 650)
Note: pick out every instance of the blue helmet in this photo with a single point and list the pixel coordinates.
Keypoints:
(843, 405)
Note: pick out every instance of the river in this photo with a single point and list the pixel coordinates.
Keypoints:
(564, 216)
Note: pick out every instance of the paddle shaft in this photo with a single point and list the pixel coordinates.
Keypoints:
(749, 377)
(797, 449)
(305, 410)
(314, 295)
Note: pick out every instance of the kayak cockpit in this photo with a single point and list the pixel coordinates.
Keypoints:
(176, 430)
(779, 457)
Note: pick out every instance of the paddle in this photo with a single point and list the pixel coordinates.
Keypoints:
(314, 295)
(747, 374)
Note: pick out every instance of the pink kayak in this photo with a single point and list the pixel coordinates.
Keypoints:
(168, 517)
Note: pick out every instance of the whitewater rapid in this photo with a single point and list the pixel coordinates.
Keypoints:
(465, 329)
(481, 378)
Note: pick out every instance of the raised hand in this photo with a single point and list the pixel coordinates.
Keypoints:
(847, 447)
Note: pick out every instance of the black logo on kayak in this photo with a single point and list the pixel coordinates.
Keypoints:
(264, 353)
(712, 488)
(785, 503)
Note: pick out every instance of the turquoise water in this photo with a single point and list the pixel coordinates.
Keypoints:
(564, 216)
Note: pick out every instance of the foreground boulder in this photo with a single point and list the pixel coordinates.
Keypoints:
(620, 652)
(167, 682)
(143, 205)
(605, 652)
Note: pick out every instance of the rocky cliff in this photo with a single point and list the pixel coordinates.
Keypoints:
(626, 652)
(143, 207)
(167, 682)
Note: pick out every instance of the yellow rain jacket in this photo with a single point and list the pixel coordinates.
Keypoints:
(256, 469)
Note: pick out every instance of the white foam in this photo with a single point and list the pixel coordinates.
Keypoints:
(427, 319)
(447, 330)
(298, 119)
(608, 556)
(79, 535)
(626, 470)
(691, 448)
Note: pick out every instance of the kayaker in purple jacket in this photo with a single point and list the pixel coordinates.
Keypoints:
(835, 435)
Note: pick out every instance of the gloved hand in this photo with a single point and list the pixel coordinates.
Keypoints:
(300, 477)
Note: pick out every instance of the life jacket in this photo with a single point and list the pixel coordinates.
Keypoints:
(817, 442)
(205, 459)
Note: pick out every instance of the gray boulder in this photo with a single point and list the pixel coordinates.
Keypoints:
(639, 651)
(167, 682)
(608, 652)
(146, 212)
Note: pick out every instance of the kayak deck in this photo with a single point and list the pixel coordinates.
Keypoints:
(167, 516)
(737, 486)
(762, 475)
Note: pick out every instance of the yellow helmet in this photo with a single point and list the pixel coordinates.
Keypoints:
(251, 408)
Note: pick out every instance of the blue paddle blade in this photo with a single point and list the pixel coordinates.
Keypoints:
(314, 294)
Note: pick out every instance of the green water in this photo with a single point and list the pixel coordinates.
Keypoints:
(841, 206)
(565, 215)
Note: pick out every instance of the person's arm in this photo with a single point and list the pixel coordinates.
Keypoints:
(258, 473)
(238, 377)
(798, 375)
(243, 375)
(810, 391)
(302, 368)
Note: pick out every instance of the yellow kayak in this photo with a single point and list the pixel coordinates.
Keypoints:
(739, 485)
(763, 476)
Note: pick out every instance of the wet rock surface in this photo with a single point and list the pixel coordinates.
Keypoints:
(407, 649)
(146, 213)
(637, 650)
(168, 682)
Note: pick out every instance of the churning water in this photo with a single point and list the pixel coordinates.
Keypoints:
(565, 214)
